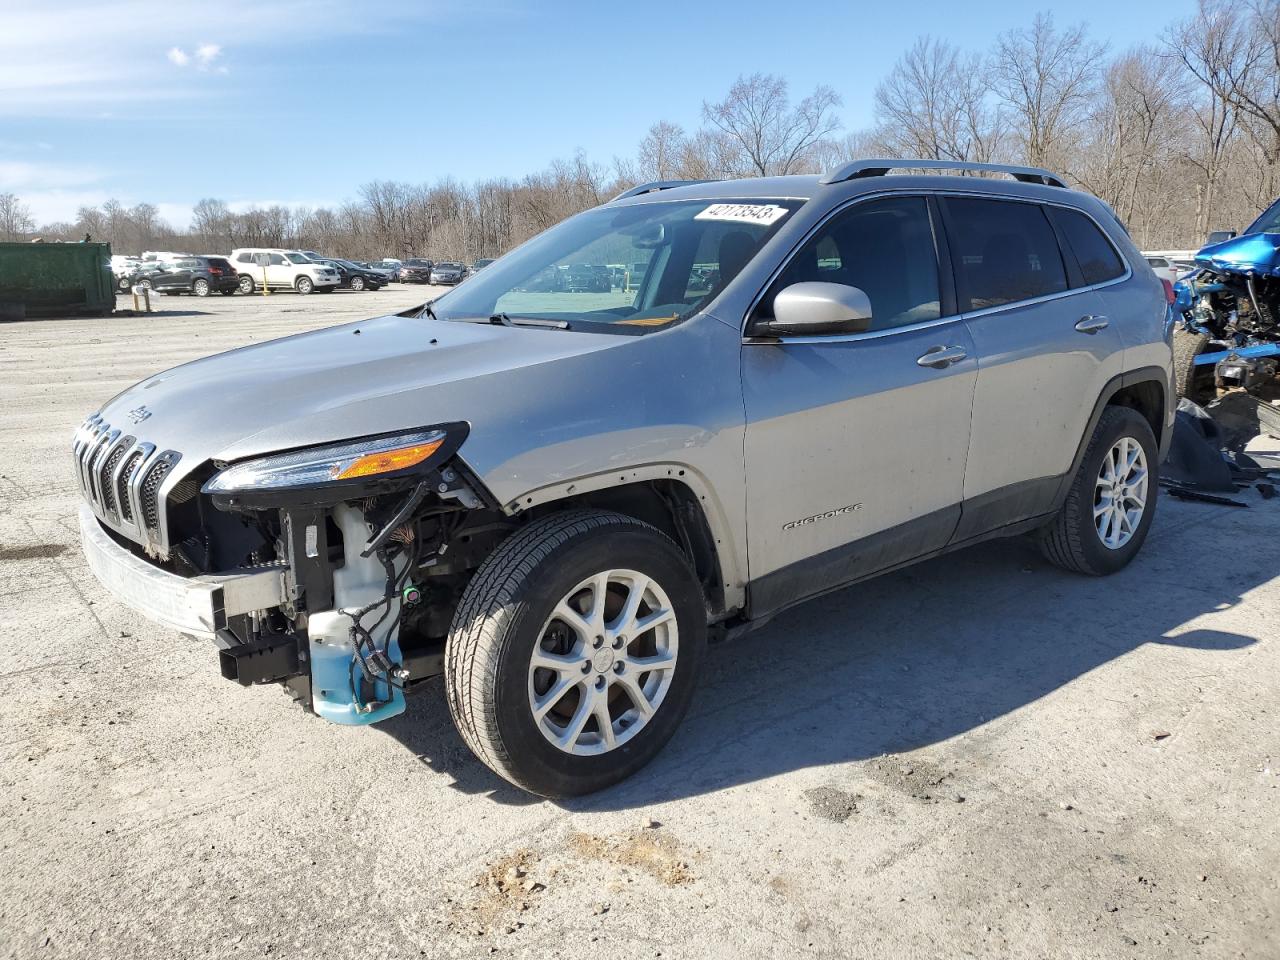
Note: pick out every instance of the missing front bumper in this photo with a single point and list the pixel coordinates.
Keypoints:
(198, 606)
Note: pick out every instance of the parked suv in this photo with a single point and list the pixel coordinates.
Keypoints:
(416, 270)
(282, 270)
(198, 276)
(553, 500)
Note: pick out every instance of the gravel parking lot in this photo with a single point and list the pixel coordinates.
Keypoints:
(979, 756)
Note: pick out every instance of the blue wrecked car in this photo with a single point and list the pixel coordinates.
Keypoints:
(1227, 312)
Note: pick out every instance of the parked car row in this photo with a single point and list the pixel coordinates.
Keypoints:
(252, 269)
(422, 270)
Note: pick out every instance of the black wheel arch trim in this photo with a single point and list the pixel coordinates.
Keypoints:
(1120, 381)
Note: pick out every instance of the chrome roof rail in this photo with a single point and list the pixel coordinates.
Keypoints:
(878, 168)
(655, 186)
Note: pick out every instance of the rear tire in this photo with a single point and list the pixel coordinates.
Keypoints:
(357, 283)
(1187, 345)
(512, 610)
(1076, 539)
(246, 284)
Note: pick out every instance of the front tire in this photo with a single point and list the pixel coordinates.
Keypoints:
(573, 655)
(1187, 345)
(304, 285)
(1112, 499)
(200, 287)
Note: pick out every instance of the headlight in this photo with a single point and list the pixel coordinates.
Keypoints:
(337, 471)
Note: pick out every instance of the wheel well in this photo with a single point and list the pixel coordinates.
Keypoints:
(673, 508)
(1147, 397)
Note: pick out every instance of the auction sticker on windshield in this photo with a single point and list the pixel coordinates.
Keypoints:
(763, 213)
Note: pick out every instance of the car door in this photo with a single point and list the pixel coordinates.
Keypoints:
(279, 271)
(176, 276)
(1045, 350)
(856, 443)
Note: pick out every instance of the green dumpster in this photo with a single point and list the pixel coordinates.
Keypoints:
(55, 280)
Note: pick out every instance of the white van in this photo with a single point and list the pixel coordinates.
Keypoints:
(279, 269)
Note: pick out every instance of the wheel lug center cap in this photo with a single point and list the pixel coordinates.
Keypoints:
(602, 660)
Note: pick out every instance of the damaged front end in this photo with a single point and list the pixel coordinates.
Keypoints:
(375, 538)
(1229, 312)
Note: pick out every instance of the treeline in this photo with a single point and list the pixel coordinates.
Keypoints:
(1180, 136)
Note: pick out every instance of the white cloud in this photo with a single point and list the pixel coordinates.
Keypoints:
(206, 53)
(19, 176)
(75, 57)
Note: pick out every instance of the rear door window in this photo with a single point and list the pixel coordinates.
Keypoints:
(1097, 258)
(1003, 251)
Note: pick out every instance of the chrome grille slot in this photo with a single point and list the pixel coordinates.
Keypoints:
(106, 476)
(122, 483)
(151, 492)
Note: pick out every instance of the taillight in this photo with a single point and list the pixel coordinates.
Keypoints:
(215, 271)
(1169, 296)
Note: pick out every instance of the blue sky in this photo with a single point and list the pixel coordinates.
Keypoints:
(301, 101)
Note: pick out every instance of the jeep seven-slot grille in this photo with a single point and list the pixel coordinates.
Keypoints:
(120, 478)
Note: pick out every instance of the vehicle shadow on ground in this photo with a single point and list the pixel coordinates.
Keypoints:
(158, 314)
(903, 661)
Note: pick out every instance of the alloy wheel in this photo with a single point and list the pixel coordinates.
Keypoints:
(1120, 493)
(603, 663)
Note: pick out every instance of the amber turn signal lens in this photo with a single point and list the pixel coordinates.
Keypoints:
(388, 461)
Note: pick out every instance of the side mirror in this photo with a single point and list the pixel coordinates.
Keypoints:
(814, 307)
(1220, 236)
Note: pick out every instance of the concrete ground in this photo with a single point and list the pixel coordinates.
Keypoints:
(977, 757)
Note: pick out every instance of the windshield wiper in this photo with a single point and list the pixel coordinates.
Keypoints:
(509, 321)
(428, 311)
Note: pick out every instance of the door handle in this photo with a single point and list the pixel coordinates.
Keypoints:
(1091, 324)
(940, 357)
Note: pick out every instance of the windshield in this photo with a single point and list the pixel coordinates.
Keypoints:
(678, 255)
(1269, 222)
(446, 265)
(297, 258)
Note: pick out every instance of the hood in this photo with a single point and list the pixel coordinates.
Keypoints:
(1256, 253)
(373, 376)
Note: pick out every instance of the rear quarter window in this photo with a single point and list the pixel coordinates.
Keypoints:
(1003, 251)
(1098, 259)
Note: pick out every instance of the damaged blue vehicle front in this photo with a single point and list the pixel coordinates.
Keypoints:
(1228, 312)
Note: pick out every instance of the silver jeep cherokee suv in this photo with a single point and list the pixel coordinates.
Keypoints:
(554, 497)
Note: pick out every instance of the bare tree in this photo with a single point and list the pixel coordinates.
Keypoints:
(1132, 133)
(934, 105)
(1233, 48)
(661, 152)
(15, 218)
(774, 138)
(1046, 77)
